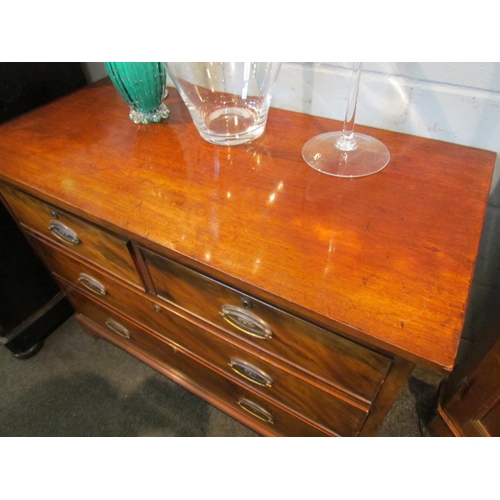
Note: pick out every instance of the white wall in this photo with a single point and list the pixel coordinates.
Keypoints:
(94, 71)
(454, 102)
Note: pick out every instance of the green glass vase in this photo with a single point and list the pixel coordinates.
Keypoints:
(142, 86)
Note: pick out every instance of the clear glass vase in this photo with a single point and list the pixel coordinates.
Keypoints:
(228, 101)
(143, 86)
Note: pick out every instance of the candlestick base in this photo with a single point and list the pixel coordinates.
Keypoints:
(369, 157)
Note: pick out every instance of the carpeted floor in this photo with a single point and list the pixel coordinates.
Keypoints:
(76, 386)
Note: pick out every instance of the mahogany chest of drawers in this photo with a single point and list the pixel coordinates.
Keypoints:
(296, 302)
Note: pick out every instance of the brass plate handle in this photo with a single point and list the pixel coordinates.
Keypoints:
(115, 327)
(63, 232)
(92, 284)
(255, 410)
(246, 321)
(251, 372)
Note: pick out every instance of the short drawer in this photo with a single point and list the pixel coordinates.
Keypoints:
(78, 274)
(238, 401)
(334, 359)
(86, 240)
(74, 275)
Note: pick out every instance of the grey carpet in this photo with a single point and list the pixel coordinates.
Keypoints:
(76, 386)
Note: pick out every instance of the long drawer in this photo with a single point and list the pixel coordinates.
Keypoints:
(260, 374)
(231, 397)
(334, 359)
(86, 240)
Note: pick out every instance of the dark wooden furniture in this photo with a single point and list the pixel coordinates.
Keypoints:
(31, 303)
(469, 400)
(27, 85)
(297, 302)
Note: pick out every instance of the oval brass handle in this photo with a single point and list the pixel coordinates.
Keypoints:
(250, 372)
(63, 232)
(92, 284)
(117, 328)
(246, 321)
(255, 410)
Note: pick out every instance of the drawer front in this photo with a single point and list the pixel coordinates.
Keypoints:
(82, 238)
(337, 361)
(238, 401)
(246, 406)
(76, 276)
(79, 275)
(265, 377)
(240, 364)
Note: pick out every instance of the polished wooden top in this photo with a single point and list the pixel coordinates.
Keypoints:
(386, 259)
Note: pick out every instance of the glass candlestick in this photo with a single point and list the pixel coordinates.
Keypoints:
(346, 153)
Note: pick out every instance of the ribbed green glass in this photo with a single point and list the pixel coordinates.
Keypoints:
(142, 86)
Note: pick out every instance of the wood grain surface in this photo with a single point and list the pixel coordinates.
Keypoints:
(386, 259)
